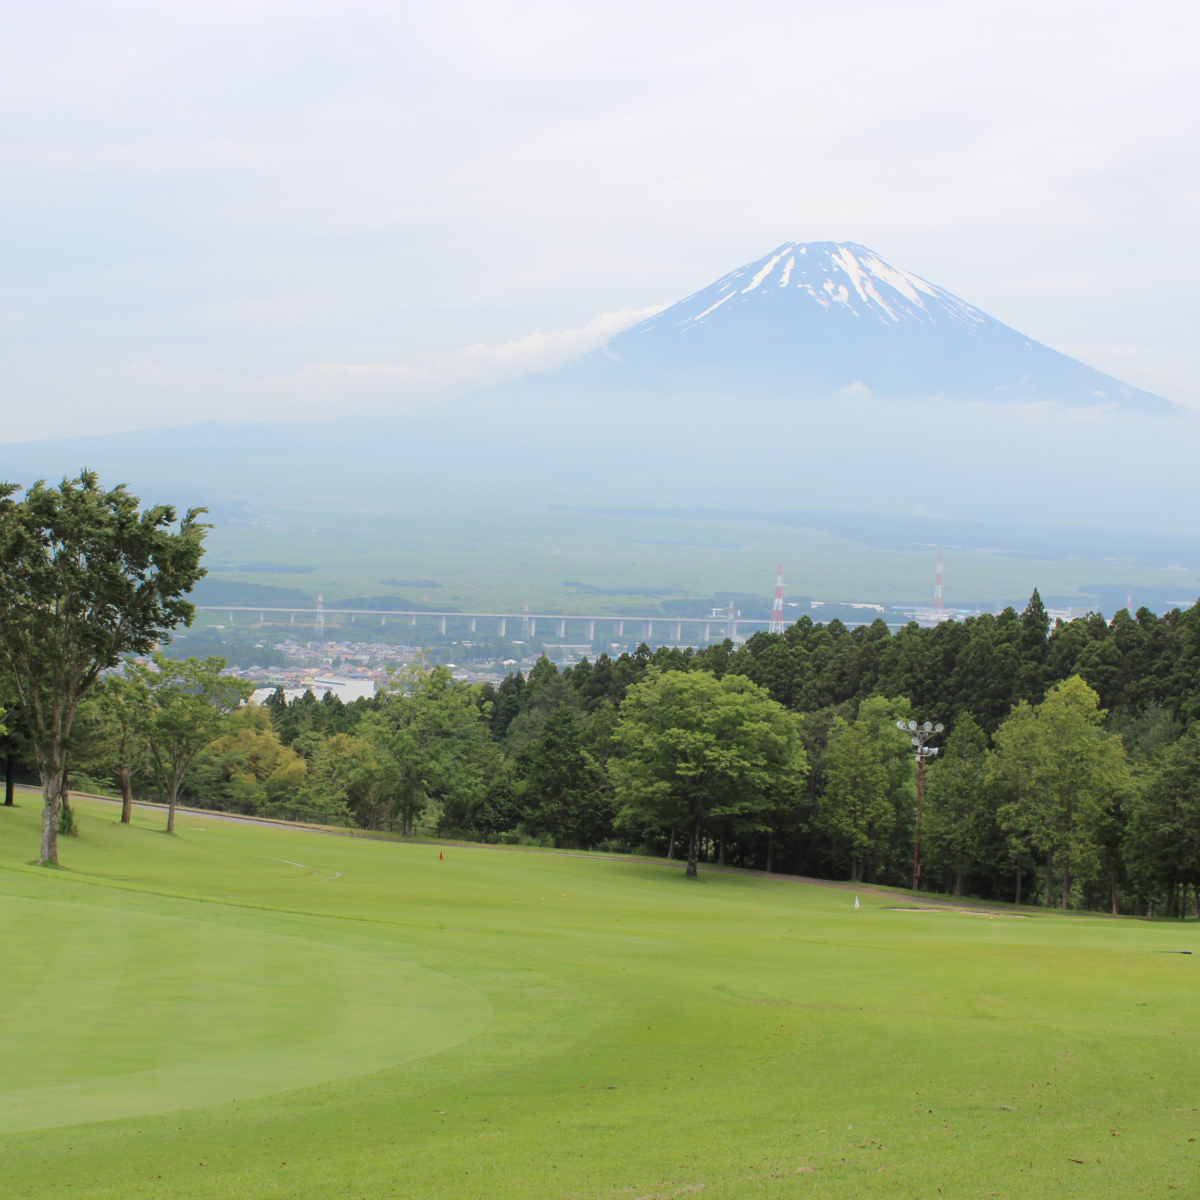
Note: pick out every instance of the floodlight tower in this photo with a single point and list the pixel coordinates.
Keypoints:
(939, 612)
(777, 624)
(320, 615)
(920, 734)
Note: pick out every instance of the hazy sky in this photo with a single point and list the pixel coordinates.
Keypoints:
(265, 210)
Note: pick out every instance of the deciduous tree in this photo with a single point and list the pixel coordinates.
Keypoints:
(693, 748)
(192, 700)
(435, 738)
(1062, 769)
(85, 578)
(959, 801)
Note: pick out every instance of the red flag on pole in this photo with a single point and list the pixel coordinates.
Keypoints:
(440, 858)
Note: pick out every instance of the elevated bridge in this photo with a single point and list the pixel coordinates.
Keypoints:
(700, 628)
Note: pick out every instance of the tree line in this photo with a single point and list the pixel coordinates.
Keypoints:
(1068, 772)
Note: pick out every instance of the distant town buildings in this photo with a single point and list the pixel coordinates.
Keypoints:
(348, 670)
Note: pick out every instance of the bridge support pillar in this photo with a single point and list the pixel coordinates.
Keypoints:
(503, 623)
(472, 624)
(620, 629)
(562, 628)
(647, 630)
(442, 625)
(414, 620)
(678, 636)
(590, 628)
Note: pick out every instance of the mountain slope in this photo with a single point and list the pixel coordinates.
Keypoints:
(819, 319)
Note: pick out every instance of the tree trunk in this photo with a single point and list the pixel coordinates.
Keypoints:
(1066, 888)
(693, 850)
(958, 881)
(770, 854)
(1112, 883)
(1196, 900)
(1049, 878)
(721, 852)
(854, 869)
(10, 766)
(1018, 899)
(51, 799)
(171, 805)
(671, 847)
(126, 795)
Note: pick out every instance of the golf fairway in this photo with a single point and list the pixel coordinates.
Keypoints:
(245, 1010)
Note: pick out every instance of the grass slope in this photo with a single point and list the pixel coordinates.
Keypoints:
(251, 1022)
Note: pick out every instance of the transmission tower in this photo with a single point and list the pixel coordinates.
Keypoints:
(525, 628)
(777, 624)
(320, 615)
(939, 611)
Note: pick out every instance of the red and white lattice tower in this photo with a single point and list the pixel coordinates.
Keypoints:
(777, 625)
(526, 628)
(320, 614)
(939, 611)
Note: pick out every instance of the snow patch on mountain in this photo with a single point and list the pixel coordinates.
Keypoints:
(810, 319)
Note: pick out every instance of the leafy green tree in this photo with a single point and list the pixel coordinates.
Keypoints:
(693, 749)
(192, 702)
(434, 738)
(85, 579)
(959, 801)
(857, 812)
(122, 710)
(346, 777)
(247, 767)
(565, 791)
(1062, 770)
(506, 704)
(878, 715)
(1163, 844)
(498, 810)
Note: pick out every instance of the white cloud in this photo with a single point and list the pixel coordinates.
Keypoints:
(147, 394)
(538, 351)
(451, 374)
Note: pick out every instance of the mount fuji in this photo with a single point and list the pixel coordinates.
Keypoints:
(819, 319)
(819, 377)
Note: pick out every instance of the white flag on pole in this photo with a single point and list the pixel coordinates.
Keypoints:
(856, 904)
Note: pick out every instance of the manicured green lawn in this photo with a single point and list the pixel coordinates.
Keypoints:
(246, 1011)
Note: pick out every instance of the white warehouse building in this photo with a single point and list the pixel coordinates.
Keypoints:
(346, 690)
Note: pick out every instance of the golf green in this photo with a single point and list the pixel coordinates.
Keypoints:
(245, 1010)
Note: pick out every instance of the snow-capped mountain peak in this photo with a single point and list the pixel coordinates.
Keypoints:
(828, 274)
(813, 319)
